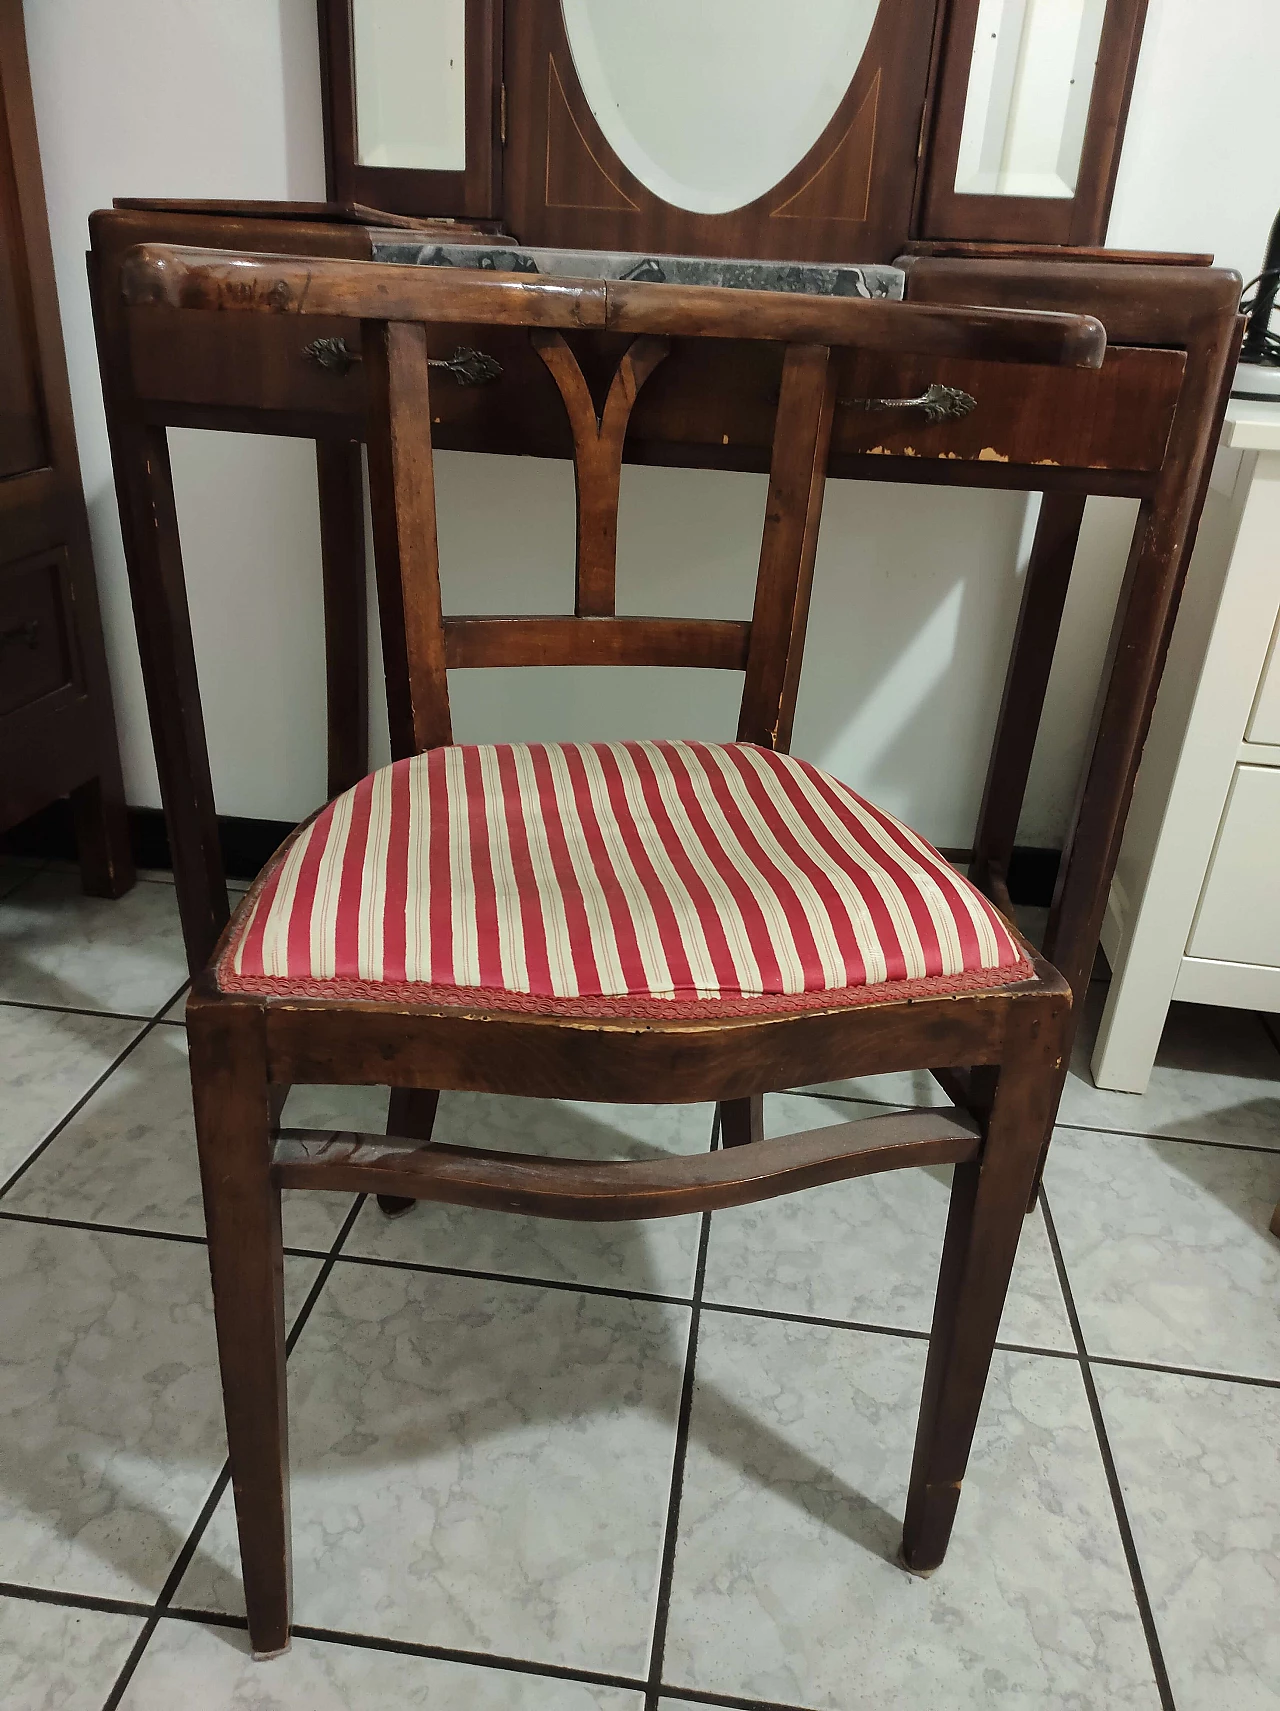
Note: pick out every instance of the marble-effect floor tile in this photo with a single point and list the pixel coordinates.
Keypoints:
(58, 1659)
(209, 1669)
(111, 1430)
(475, 1464)
(1168, 1250)
(128, 1157)
(785, 1584)
(866, 1250)
(1216, 1078)
(58, 946)
(48, 1060)
(655, 1257)
(1200, 1470)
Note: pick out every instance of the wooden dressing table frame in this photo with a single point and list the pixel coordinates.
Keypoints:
(1143, 427)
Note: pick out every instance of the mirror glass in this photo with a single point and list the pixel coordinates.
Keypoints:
(1030, 84)
(410, 78)
(711, 102)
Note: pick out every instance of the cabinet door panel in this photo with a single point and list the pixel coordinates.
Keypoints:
(1239, 915)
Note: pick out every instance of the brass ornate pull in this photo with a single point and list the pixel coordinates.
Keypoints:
(468, 367)
(29, 632)
(939, 403)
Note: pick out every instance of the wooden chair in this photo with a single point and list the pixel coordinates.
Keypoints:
(637, 923)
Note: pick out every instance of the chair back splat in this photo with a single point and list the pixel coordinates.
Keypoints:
(400, 305)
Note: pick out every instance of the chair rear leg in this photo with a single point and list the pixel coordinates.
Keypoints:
(411, 1114)
(233, 1108)
(988, 1206)
(741, 1121)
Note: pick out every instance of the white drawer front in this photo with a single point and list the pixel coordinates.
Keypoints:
(1239, 915)
(1264, 726)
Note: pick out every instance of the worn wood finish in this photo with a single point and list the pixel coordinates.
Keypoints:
(177, 278)
(597, 458)
(246, 1260)
(57, 726)
(792, 518)
(741, 1121)
(1044, 596)
(340, 478)
(627, 1189)
(988, 1197)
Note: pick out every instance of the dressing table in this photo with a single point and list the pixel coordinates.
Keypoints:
(942, 151)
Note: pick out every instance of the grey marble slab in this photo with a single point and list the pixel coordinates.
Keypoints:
(657, 1257)
(476, 1465)
(1216, 1078)
(128, 1157)
(48, 1060)
(204, 1668)
(58, 946)
(810, 278)
(866, 1250)
(111, 1425)
(1168, 1251)
(1199, 1465)
(57, 1659)
(785, 1584)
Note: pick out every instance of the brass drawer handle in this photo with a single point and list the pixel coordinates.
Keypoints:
(939, 403)
(468, 367)
(28, 632)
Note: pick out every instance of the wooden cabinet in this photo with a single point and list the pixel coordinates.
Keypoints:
(57, 729)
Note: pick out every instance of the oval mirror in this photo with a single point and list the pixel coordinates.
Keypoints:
(710, 102)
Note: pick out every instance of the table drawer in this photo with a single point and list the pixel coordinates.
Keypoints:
(36, 654)
(711, 392)
(1239, 915)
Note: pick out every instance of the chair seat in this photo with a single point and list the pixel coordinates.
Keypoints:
(645, 879)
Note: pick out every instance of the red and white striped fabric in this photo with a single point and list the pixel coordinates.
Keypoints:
(639, 879)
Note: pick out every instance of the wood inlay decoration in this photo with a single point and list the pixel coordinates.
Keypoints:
(569, 180)
(850, 162)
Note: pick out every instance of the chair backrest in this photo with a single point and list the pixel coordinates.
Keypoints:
(398, 305)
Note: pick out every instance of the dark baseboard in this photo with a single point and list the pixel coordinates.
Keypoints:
(247, 845)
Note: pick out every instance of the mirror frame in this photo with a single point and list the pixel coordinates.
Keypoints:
(1080, 220)
(909, 197)
(475, 193)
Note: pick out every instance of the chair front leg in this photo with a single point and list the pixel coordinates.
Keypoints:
(988, 1207)
(234, 1125)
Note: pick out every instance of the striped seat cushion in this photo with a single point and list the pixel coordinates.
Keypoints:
(640, 879)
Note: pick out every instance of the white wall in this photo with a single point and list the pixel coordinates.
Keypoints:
(916, 589)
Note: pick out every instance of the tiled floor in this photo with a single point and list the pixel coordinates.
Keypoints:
(543, 1467)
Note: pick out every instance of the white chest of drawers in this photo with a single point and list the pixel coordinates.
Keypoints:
(1194, 911)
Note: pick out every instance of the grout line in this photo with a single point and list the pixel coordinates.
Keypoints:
(666, 1570)
(73, 1600)
(1145, 1613)
(183, 1559)
(696, 1696)
(79, 1010)
(79, 1105)
(11, 1217)
(1155, 1135)
(516, 1278)
(1185, 1372)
